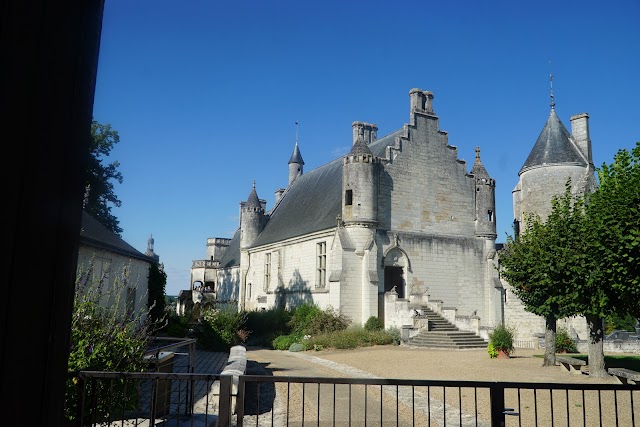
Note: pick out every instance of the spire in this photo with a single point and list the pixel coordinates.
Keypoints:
(553, 102)
(253, 201)
(296, 157)
(150, 242)
(478, 168)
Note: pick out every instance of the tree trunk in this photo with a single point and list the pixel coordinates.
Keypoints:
(550, 341)
(596, 347)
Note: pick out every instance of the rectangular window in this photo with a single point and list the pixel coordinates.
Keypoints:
(267, 271)
(348, 197)
(321, 264)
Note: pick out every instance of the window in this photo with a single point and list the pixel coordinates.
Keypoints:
(321, 265)
(267, 271)
(490, 216)
(348, 197)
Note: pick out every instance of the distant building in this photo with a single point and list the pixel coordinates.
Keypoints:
(105, 254)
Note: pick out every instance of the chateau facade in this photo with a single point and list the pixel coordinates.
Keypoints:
(386, 229)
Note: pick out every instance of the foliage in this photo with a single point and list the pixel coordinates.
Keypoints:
(296, 346)
(309, 319)
(614, 239)
(616, 322)
(268, 324)
(493, 353)
(105, 336)
(283, 342)
(177, 326)
(545, 264)
(157, 284)
(564, 342)
(395, 335)
(374, 323)
(100, 196)
(502, 339)
(221, 329)
(351, 337)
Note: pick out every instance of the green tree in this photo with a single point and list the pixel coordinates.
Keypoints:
(157, 285)
(544, 262)
(100, 196)
(613, 248)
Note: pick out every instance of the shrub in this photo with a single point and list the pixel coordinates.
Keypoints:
(374, 324)
(351, 337)
(296, 346)
(493, 353)
(268, 324)
(221, 329)
(283, 342)
(326, 321)
(106, 335)
(564, 342)
(395, 335)
(502, 339)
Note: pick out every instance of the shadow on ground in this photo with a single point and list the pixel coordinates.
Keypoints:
(259, 396)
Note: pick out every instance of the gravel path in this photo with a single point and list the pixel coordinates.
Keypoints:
(402, 362)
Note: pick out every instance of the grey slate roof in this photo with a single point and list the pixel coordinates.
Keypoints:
(93, 233)
(231, 257)
(313, 201)
(360, 147)
(253, 201)
(296, 157)
(553, 146)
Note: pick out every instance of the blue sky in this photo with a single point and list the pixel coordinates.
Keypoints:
(205, 95)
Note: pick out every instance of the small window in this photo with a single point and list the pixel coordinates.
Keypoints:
(267, 271)
(490, 216)
(321, 265)
(348, 197)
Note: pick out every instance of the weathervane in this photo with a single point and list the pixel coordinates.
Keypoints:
(297, 123)
(553, 103)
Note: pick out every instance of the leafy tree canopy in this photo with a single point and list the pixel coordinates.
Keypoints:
(100, 196)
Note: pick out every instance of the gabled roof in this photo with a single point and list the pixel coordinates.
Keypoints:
(553, 146)
(314, 200)
(93, 233)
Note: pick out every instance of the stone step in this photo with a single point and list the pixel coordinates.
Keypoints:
(444, 335)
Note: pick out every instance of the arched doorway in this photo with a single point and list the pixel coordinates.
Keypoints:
(395, 272)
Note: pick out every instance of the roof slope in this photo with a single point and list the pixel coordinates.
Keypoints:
(553, 146)
(93, 233)
(231, 256)
(313, 201)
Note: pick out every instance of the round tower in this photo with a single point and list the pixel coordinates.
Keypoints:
(360, 184)
(485, 199)
(295, 164)
(252, 219)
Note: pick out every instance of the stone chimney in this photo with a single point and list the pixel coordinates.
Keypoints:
(279, 193)
(367, 131)
(580, 134)
(421, 101)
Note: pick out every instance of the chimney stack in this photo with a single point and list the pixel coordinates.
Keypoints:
(421, 101)
(367, 131)
(580, 134)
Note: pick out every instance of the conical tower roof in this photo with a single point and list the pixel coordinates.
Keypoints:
(360, 147)
(296, 157)
(478, 168)
(553, 146)
(253, 201)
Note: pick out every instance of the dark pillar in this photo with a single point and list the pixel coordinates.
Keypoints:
(49, 55)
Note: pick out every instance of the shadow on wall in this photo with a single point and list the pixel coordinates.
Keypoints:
(228, 285)
(295, 294)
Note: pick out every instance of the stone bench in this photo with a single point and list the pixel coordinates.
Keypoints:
(571, 364)
(625, 376)
(236, 365)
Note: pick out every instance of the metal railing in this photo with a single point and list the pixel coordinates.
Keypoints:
(318, 401)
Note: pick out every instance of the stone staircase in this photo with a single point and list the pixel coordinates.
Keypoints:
(443, 334)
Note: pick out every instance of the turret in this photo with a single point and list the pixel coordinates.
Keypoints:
(360, 180)
(295, 164)
(252, 219)
(485, 200)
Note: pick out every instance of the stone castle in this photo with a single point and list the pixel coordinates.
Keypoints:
(386, 228)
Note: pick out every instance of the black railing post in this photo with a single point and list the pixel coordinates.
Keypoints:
(496, 395)
(224, 403)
